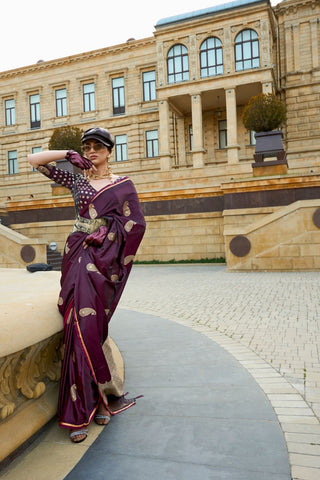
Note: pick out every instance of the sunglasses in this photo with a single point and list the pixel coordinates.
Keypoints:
(96, 147)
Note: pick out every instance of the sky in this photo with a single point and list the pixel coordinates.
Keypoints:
(36, 30)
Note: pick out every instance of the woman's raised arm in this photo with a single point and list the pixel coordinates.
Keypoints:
(42, 158)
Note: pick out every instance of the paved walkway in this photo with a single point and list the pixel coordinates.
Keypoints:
(209, 389)
(202, 416)
(270, 322)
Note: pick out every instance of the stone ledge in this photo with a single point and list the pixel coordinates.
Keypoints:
(30, 354)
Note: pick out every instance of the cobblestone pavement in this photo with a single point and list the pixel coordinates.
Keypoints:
(274, 315)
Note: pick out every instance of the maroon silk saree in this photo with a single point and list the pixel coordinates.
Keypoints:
(92, 282)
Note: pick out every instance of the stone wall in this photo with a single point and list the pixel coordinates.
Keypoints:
(288, 239)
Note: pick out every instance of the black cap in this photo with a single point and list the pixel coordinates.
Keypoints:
(100, 134)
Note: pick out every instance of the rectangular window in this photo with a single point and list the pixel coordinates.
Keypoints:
(121, 148)
(36, 150)
(152, 143)
(34, 111)
(12, 162)
(10, 112)
(61, 102)
(252, 137)
(149, 85)
(223, 138)
(88, 97)
(118, 95)
(190, 137)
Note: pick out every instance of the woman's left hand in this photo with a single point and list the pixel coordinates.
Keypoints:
(96, 238)
(78, 160)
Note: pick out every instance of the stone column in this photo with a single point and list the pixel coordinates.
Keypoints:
(181, 141)
(164, 135)
(197, 150)
(231, 109)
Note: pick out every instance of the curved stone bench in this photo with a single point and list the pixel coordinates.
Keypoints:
(30, 354)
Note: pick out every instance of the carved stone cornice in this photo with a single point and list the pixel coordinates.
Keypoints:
(59, 62)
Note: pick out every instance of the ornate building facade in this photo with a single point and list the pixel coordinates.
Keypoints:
(173, 103)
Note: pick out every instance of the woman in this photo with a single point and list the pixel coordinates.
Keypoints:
(97, 260)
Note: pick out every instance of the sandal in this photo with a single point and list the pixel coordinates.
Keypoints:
(79, 432)
(99, 416)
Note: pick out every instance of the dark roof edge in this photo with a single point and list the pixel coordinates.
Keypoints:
(205, 12)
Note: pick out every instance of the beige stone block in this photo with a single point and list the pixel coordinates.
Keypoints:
(312, 461)
(282, 263)
(303, 263)
(310, 250)
(304, 473)
(289, 251)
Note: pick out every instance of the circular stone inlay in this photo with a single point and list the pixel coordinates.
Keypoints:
(316, 217)
(28, 253)
(240, 246)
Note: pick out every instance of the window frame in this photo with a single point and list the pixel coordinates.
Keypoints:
(13, 162)
(207, 52)
(152, 144)
(121, 149)
(223, 134)
(88, 98)
(252, 137)
(118, 97)
(61, 103)
(36, 150)
(177, 64)
(10, 112)
(149, 87)
(240, 47)
(35, 112)
(190, 137)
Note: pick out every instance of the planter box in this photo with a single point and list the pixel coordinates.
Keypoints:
(269, 144)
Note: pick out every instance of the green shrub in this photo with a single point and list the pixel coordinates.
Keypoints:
(66, 138)
(263, 113)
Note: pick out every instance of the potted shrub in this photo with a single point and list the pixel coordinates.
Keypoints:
(265, 114)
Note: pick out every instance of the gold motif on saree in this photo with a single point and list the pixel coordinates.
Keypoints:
(126, 210)
(92, 268)
(107, 311)
(43, 169)
(67, 249)
(128, 259)
(84, 312)
(79, 259)
(60, 301)
(73, 392)
(128, 226)
(114, 278)
(74, 357)
(112, 236)
(92, 211)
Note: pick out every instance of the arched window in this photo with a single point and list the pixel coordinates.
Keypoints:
(247, 50)
(178, 64)
(211, 62)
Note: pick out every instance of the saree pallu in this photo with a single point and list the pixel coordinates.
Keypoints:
(92, 282)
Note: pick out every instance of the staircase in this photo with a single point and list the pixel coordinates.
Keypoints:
(54, 258)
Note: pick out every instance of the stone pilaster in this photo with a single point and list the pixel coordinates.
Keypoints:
(164, 135)
(231, 109)
(197, 130)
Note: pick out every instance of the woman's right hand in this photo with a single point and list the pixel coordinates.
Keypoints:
(78, 160)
